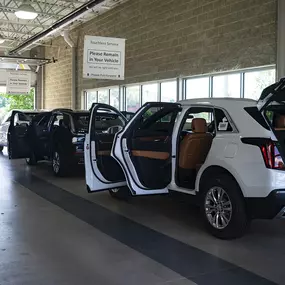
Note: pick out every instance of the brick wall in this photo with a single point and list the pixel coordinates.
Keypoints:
(171, 38)
(57, 78)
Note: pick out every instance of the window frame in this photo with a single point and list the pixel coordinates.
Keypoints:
(181, 86)
(230, 121)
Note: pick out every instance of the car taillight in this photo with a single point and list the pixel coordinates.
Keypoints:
(271, 156)
(270, 153)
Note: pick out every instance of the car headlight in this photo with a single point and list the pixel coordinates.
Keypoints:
(74, 140)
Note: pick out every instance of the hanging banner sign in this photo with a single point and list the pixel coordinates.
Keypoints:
(18, 82)
(104, 58)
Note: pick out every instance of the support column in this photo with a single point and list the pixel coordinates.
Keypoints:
(74, 78)
(280, 40)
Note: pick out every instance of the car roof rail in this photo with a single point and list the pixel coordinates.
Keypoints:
(62, 110)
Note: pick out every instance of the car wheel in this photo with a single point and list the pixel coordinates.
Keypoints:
(58, 164)
(121, 193)
(223, 207)
(1, 148)
(32, 160)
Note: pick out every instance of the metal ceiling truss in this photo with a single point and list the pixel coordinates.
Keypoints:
(49, 11)
(15, 31)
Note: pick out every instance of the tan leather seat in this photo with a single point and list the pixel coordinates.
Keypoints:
(280, 123)
(194, 147)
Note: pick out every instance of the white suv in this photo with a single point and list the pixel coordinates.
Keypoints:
(228, 153)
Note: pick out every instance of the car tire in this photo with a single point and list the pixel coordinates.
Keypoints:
(59, 164)
(1, 148)
(223, 207)
(32, 160)
(120, 193)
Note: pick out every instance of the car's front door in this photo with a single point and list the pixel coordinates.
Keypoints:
(41, 134)
(18, 136)
(102, 170)
(144, 148)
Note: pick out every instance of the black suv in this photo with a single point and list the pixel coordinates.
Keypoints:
(57, 136)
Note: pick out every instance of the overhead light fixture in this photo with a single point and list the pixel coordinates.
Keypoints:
(2, 40)
(26, 11)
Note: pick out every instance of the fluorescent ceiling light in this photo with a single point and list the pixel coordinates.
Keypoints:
(26, 12)
(2, 40)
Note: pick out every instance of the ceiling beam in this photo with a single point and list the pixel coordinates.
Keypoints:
(74, 1)
(14, 9)
(49, 5)
(16, 32)
(22, 23)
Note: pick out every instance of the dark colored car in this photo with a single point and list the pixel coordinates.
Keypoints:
(57, 136)
(23, 118)
(128, 115)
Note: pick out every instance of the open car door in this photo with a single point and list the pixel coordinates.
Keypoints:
(271, 104)
(144, 148)
(102, 170)
(18, 140)
(272, 93)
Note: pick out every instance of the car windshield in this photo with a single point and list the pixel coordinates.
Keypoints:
(81, 122)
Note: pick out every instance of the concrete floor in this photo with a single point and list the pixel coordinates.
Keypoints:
(53, 232)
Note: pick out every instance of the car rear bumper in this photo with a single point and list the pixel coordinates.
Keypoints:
(272, 206)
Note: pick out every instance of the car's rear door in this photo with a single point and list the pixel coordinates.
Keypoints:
(102, 170)
(144, 148)
(18, 136)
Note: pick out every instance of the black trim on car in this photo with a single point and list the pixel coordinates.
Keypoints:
(267, 207)
(256, 141)
(257, 116)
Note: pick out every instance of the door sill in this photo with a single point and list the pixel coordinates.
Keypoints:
(184, 190)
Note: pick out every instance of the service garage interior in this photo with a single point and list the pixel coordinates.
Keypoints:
(71, 212)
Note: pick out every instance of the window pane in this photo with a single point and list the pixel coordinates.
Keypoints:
(198, 112)
(133, 98)
(256, 81)
(222, 121)
(115, 98)
(197, 88)
(226, 86)
(103, 96)
(149, 93)
(169, 91)
(91, 98)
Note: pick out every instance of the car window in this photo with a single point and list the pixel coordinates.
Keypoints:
(158, 119)
(42, 120)
(223, 125)
(199, 112)
(23, 117)
(107, 122)
(81, 121)
(57, 120)
(104, 122)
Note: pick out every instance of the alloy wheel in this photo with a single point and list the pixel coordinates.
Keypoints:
(218, 207)
(56, 162)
